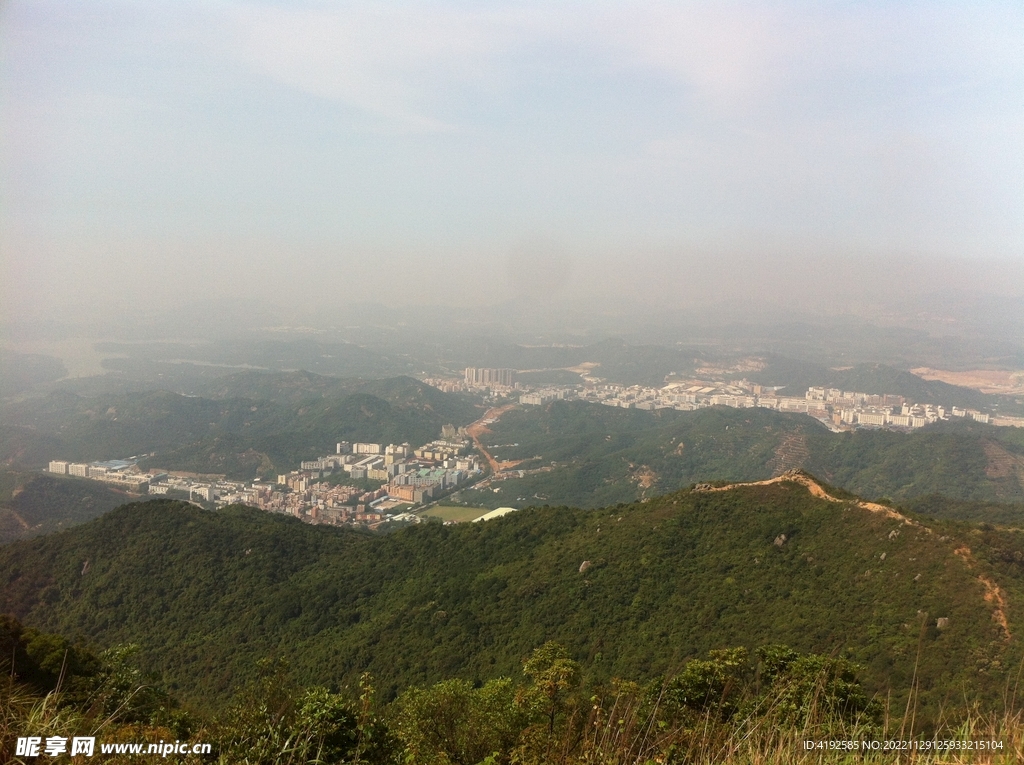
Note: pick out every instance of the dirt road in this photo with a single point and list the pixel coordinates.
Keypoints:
(479, 427)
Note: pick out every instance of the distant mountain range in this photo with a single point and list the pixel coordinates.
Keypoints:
(19, 372)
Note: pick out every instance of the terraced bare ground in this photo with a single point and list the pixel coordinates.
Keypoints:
(791, 454)
(1002, 463)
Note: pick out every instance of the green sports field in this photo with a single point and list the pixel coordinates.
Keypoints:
(453, 513)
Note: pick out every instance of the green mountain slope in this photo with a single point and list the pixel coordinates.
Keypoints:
(206, 594)
(279, 386)
(603, 455)
(937, 506)
(235, 434)
(32, 504)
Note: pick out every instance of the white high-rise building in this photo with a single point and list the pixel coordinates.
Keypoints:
(504, 377)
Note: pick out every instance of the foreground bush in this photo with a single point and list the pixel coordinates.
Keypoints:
(728, 707)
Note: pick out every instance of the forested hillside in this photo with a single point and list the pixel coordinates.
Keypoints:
(237, 434)
(631, 590)
(32, 504)
(593, 455)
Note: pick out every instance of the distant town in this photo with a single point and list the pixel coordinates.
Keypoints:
(838, 409)
(332, 489)
(370, 484)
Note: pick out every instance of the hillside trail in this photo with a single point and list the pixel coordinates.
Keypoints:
(994, 595)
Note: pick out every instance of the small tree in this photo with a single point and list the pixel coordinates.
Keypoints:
(453, 722)
(553, 674)
(272, 722)
(811, 688)
(711, 685)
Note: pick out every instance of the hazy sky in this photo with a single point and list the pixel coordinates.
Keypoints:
(330, 151)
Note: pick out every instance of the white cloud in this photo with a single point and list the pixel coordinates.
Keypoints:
(397, 61)
(377, 59)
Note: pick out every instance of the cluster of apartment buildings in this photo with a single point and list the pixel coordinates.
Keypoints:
(115, 472)
(477, 377)
(409, 475)
(477, 380)
(546, 396)
(125, 474)
(840, 410)
(856, 408)
(321, 491)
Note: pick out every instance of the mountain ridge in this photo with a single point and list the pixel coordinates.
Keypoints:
(594, 446)
(206, 594)
(993, 593)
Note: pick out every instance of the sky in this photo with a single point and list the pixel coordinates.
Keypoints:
(304, 153)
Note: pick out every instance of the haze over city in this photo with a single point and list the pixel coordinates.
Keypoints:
(588, 383)
(813, 157)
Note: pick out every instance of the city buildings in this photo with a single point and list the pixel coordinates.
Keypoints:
(330, 489)
(837, 409)
(483, 378)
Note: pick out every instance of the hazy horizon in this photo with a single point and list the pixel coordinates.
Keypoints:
(290, 160)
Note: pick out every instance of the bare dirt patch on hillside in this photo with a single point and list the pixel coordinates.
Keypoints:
(792, 453)
(479, 427)
(985, 380)
(1003, 464)
(642, 476)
